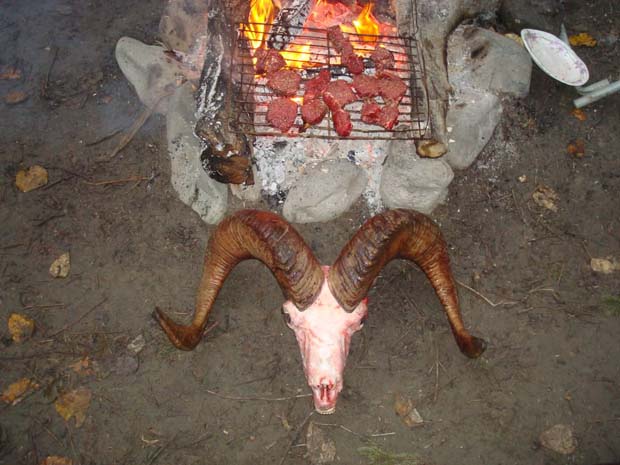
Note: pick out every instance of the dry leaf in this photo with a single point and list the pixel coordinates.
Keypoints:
(546, 197)
(74, 404)
(83, 366)
(21, 327)
(407, 412)
(31, 178)
(431, 149)
(10, 73)
(604, 265)
(579, 114)
(15, 96)
(514, 37)
(61, 266)
(577, 148)
(16, 391)
(582, 39)
(56, 460)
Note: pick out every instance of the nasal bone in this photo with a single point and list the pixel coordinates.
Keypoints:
(326, 387)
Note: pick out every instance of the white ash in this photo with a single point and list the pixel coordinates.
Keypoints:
(282, 160)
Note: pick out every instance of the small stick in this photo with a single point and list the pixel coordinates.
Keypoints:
(117, 181)
(69, 325)
(344, 428)
(28, 307)
(104, 138)
(487, 300)
(267, 399)
(48, 219)
(295, 437)
(133, 130)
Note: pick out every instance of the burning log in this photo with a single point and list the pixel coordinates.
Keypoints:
(289, 22)
(227, 153)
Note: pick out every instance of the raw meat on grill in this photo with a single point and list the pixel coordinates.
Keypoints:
(268, 61)
(337, 38)
(281, 113)
(370, 112)
(366, 86)
(388, 116)
(354, 63)
(313, 111)
(391, 88)
(342, 122)
(341, 44)
(317, 85)
(338, 94)
(385, 116)
(382, 58)
(284, 82)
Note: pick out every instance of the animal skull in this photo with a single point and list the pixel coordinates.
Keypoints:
(325, 305)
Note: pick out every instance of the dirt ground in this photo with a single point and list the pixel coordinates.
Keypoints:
(550, 321)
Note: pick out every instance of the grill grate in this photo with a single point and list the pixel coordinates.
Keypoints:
(254, 97)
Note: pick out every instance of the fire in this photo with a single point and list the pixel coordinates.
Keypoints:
(298, 56)
(262, 13)
(367, 24)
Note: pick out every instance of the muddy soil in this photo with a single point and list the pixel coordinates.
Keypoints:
(241, 398)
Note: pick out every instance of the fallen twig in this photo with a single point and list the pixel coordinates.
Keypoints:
(104, 138)
(344, 428)
(266, 399)
(295, 437)
(486, 299)
(117, 181)
(84, 315)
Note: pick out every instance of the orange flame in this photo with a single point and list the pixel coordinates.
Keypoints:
(297, 56)
(366, 23)
(261, 12)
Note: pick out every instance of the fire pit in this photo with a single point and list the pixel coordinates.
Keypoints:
(266, 131)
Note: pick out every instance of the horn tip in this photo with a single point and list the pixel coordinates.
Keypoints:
(474, 347)
(183, 337)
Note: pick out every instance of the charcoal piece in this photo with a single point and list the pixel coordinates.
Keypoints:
(314, 111)
(235, 169)
(284, 82)
(281, 114)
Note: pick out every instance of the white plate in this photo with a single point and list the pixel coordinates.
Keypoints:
(555, 57)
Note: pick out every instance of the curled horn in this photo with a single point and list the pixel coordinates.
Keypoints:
(400, 234)
(245, 235)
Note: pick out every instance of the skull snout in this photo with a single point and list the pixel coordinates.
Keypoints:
(325, 394)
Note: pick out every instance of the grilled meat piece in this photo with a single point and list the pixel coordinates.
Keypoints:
(382, 58)
(353, 62)
(338, 94)
(284, 82)
(314, 111)
(388, 116)
(281, 113)
(268, 61)
(366, 86)
(337, 38)
(342, 122)
(317, 85)
(371, 112)
(391, 87)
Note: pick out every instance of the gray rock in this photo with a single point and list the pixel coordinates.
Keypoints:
(195, 188)
(472, 117)
(559, 438)
(153, 75)
(321, 449)
(483, 60)
(535, 14)
(182, 22)
(324, 192)
(409, 181)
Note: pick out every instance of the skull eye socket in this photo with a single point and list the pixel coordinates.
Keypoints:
(363, 320)
(285, 316)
